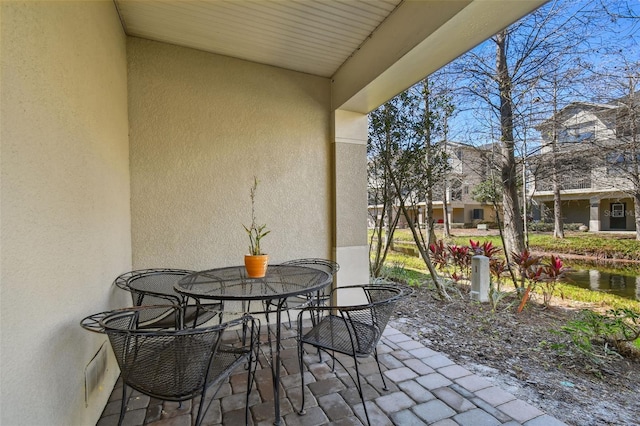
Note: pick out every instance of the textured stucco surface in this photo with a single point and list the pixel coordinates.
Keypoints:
(65, 220)
(351, 194)
(352, 249)
(201, 126)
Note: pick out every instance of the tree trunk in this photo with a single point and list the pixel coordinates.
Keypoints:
(513, 227)
(429, 153)
(635, 150)
(424, 253)
(558, 225)
(389, 229)
(445, 212)
(429, 217)
(636, 208)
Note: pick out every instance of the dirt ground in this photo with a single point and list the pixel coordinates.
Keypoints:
(515, 351)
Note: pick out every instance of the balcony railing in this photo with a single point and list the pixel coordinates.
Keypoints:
(565, 184)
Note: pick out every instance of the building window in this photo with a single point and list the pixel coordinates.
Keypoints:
(577, 132)
(620, 162)
(617, 210)
(615, 163)
(477, 214)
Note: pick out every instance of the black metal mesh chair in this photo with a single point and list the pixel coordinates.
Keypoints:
(319, 298)
(155, 287)
(176, 365)
(352, 330)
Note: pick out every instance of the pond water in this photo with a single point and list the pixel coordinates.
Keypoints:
(624, 285)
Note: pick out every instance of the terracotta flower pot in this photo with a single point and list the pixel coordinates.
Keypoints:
(256, 265)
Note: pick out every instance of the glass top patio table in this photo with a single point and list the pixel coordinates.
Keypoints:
(280, 282)
(232, 283)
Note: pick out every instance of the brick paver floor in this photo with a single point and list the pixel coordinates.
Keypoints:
(424, 388)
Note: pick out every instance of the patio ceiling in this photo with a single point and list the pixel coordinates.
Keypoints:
(372, 49)
(314, 37)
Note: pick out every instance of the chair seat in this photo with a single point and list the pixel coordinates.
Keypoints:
(175, 363)
(352, 330)
(193, 316)
(333, 333)
(201, 314)
(228, 358)
(155, 287)
(154, 370)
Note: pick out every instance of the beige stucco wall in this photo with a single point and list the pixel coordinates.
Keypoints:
(201, 126)
(350, 177)
(65, 222)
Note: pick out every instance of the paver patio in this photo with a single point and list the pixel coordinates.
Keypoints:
(424, 388)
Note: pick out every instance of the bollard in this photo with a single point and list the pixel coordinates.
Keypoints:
(480, 278)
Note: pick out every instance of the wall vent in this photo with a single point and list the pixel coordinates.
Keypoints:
(94, 372)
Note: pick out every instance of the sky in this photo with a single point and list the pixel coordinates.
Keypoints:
(614, 45)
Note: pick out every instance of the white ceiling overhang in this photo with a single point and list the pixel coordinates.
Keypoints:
(371, 49)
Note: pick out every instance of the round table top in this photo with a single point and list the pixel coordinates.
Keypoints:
(232, 283)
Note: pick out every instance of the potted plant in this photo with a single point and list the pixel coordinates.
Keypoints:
(255, 262)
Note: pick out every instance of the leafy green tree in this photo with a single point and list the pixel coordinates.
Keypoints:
(387, 127)
(407, 165)
(434, 111)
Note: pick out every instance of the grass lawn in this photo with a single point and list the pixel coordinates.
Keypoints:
(412, 269)
(607, 246)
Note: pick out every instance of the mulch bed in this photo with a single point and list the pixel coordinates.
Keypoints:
(519, 353)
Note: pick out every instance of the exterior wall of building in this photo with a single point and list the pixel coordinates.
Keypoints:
(458, 215)
(487, 214)
(471, 174)
(468, 165)
(351, 242)
(576, 211)
(65, 203)
(582, 122)
(573, 211)
(585, 121)
(607, 215)
(202, 126)
(438, 214)
(599, 179)
(588, 191)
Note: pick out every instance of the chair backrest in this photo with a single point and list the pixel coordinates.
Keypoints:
(326, 265)
(152, 286)
(368, 320)
(169, 364)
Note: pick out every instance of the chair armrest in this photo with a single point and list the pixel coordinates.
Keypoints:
(92, 322)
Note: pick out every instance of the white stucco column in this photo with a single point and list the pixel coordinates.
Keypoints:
(594, 214)
(350, 180)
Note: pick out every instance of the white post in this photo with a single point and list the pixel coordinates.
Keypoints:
(594, 214)
(480, 278)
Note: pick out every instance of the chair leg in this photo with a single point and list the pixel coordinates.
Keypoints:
(289, 317)
(300, 362)
(253, 353)
(123, 404)
(249, 384)
(384, 382)
(360, 390)
(200, 415)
